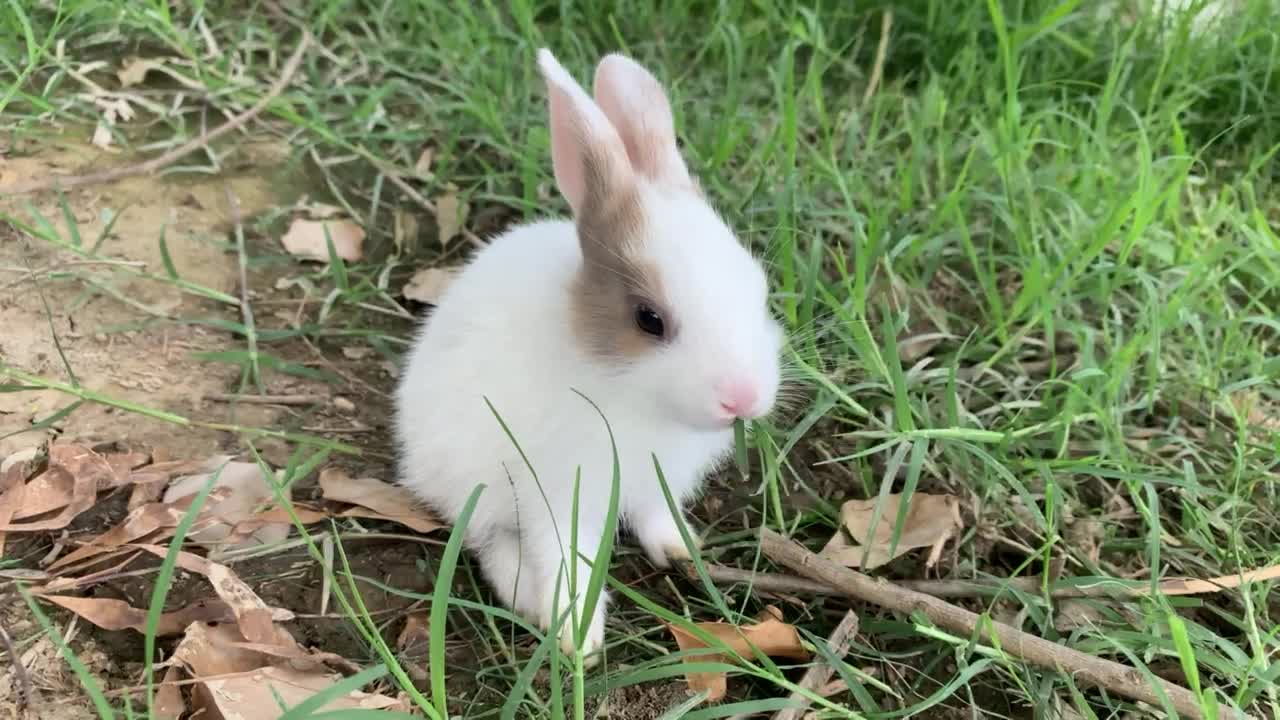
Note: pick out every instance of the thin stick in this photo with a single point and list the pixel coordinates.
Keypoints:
(784, 583)
(877, 70)
(1095, 671)
(246, 310)
(25, 693)
(157, 163)
(820, 673)
(267, 399)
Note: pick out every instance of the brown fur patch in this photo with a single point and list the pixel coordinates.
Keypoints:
(615, 276)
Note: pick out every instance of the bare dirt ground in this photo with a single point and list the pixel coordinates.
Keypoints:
(112, 331)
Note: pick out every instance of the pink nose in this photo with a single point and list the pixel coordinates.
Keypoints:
(738, 398)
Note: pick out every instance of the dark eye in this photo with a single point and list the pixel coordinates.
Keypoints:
(649, 321)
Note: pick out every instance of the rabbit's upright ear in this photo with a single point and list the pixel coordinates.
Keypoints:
(588, 157)
(635, 103)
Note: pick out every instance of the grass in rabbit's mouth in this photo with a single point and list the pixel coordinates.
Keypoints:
(1027, 253)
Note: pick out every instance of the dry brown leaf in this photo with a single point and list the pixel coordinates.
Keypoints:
(317, 210)
(376, 499)
(86, 469)
(404, 231)
(276, 516)
(306, 239)
(82, 496)
(451, 216)
(415, 634)
(13, 489)
(134, 70)
(215, 650)
(256, 695)
(246, 492)
(236, 679)
(168, 701)
(931, 520)
(1192, 586)
(24, 455)
(427, 285)
(769, 635)
(255, 618)
(411, 645)
(144, 494)
(141, 523)
(1256, 411)
(422, 168)
(110, 614)
(1073, 613)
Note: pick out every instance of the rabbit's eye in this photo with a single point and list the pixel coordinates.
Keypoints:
(649, 321)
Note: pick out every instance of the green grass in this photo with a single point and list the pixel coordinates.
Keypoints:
(1084, 206)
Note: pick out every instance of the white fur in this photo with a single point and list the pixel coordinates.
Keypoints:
(503, 331)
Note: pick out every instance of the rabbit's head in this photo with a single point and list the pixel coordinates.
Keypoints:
(668, 300)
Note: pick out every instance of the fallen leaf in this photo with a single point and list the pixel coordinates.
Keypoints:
(92, 471)
(215, 650)
(911, 349)
(411, 645)
(102, 133)
(237, 679)
(110, 614)
(247, 492)
(1256, 411)
(140, 523)
(255, 618)
(21, 456)
(83, 493)
(769, 635)
(1193, 586)
(415, 634)
(306, 239)
(451, 215)
(276, 516)
(356, 352)
(168, 700)
(134, 71)
(404, 231)
(257, 695)
(13, 487)
(427, 285)
(376, 499)
(1073, 613)
(144, 494)
(422, 168)
(931, 520)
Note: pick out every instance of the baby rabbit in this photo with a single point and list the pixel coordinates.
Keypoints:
(645, 302)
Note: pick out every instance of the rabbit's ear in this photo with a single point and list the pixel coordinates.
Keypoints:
(635, 103)
(588, 157)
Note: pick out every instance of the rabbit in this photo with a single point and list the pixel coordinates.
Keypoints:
(645, 303)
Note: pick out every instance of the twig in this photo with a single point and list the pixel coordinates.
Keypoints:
(157, 163)
(25, 693)
(267, 399)
(877, 70)
(783, 583)
(29, 274)
(819, 673)
(242, 262)
(1084, 668)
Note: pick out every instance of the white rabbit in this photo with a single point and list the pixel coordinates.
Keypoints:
(646, 303)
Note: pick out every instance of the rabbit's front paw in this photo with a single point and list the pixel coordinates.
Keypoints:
(663, 543)
(592, 640)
